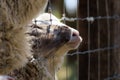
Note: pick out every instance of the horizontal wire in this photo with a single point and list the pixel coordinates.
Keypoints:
(94, 50)
(90, 19)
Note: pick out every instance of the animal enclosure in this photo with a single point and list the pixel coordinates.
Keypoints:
(98, 56)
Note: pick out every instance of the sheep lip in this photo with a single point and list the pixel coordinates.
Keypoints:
(74, 42)
(74, 39)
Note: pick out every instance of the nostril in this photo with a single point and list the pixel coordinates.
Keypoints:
(75, 34)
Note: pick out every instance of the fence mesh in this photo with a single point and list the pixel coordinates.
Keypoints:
(99, 40)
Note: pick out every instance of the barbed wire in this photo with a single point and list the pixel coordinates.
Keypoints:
(90, 19)
(93, 51)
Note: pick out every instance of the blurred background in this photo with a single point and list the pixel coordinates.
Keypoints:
(98, 57)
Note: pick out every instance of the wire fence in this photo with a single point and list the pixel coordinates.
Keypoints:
(93, 51)
(90, 20)
(89, 51)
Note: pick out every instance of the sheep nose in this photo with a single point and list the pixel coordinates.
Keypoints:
(75, 33)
